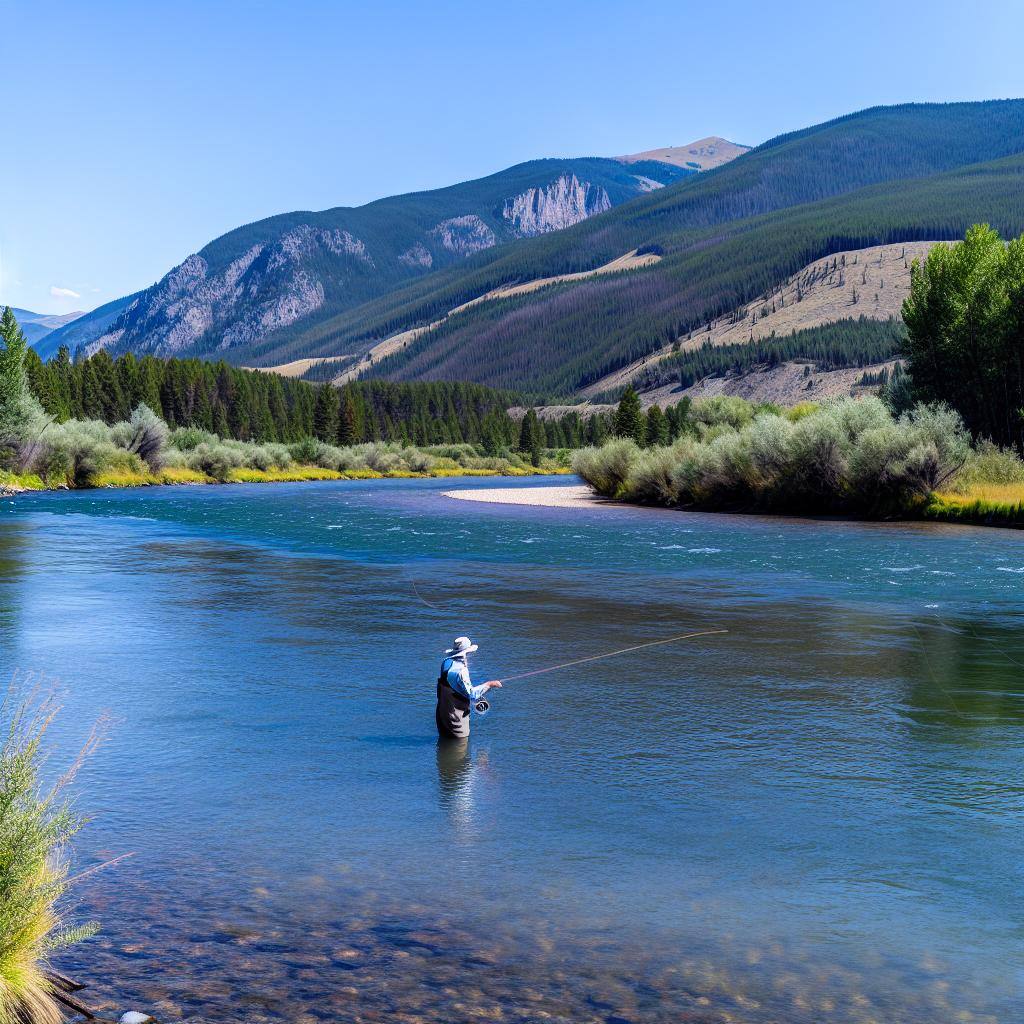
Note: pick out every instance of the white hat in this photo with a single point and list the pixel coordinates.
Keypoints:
(462, 645)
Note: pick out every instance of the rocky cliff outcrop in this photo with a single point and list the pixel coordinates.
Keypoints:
(566, 201)
(266, 288)
(417, 255)
(464, 235)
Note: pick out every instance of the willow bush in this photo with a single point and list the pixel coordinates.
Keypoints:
(78, 453)
(850, 456)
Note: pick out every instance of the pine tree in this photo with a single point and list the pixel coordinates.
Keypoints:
(526, 430)
(14, 391)
(92, 392)
(348, 425)
(532, 437)
(629, 419)
(657, 427)
(325, 414)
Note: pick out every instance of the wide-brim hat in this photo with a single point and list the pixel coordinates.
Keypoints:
(462, 645)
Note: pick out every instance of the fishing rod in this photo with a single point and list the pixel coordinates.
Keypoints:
(483, 705)
(613, 654)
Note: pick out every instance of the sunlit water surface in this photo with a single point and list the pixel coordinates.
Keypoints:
(816, 818)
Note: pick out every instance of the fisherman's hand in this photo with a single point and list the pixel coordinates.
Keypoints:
(494, 684)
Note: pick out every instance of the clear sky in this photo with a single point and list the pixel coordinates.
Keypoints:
(134, 133)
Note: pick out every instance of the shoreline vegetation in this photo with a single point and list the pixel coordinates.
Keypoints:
(37, 826)
(942, 441)
(144, 452)
(851, 457)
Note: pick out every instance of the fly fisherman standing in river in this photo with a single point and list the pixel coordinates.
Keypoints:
(456, 694)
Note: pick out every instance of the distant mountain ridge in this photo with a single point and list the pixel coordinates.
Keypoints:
(262, 279)
(38, 326)
(550, 276)
(85, 329)
(914, 172)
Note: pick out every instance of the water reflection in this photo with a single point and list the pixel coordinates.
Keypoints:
(460, 773)
(965, 674)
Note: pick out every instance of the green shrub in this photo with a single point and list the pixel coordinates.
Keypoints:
(721, 410)
(608, 468)
(307, 451)
(187, 439)
(850, 456)
(215, 459)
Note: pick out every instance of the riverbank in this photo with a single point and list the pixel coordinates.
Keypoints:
(985, 505)
(982, 504)
(12, 483)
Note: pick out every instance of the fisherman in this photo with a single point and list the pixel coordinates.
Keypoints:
(456, 694)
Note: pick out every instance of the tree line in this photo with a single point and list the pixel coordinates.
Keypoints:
(965, 332)
(249, 405)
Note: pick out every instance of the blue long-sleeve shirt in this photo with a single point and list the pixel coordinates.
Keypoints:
(456, 671)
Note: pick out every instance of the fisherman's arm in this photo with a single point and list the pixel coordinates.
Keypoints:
(475, 692)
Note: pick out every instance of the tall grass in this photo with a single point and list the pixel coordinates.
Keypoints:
(37, 824)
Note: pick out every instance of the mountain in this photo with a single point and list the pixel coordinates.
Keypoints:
(915, 172)
(84, 329)
(702, 155)
(264, 279)
(38, 326)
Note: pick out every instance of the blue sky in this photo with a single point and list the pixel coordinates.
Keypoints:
(137, 132)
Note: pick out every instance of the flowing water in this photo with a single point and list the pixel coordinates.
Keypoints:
(815, 818)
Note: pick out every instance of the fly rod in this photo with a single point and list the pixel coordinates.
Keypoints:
(613, 654)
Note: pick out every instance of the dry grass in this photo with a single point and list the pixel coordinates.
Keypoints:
(1002, 494)
(20, 481)
(814, 296)
(297, 367)
(986, 504)
(37, 825)
(292, 474)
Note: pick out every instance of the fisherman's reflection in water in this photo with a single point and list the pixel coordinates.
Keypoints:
(460, 773)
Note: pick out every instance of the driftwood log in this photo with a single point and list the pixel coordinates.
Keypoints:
(63, 991)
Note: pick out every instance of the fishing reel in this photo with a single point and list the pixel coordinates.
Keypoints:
(482, 706)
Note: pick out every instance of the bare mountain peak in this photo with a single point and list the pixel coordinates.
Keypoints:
(701, 155)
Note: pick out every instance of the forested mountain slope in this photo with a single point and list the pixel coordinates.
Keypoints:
(264, 280)
(567, 337)
(556, 341)
(868, 284)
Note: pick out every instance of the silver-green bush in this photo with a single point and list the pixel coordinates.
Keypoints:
(849, 455)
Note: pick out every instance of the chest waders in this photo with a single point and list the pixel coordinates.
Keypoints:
(452, 715)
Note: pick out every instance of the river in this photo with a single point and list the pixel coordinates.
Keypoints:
(814, 818)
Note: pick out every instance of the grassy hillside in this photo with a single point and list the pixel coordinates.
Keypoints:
(834, 346)
(807, 167)
(870, 283)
